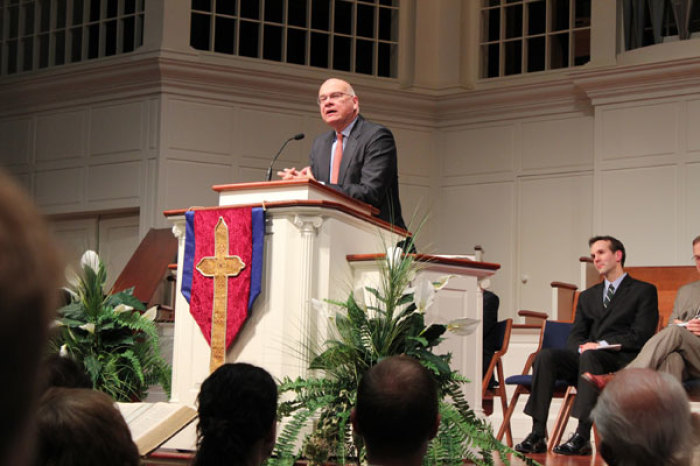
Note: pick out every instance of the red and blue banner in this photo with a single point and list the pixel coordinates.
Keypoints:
(246, 233)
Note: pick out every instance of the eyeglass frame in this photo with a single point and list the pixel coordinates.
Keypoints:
(333, 96)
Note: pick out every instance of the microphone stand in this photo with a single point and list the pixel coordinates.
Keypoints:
(296, 137)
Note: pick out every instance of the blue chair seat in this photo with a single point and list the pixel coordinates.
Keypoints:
(526, 381)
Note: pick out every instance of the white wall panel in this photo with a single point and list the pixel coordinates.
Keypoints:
(639, 131)
(61, 187)
(260, 134)
(414, 152)
(74, 237)
(60, 136)
(571, 148)
(199, 127)
(417, 205)
(692, 123)
(117, 128)
(16, 138)
(478, 151)
(482, 214)
(554, 224)
(640, 207)
(692, 206)
(119, 238)
(115, 181)
(189, 183)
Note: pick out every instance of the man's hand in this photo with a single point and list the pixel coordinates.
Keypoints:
(294, 174)
(586, 346)
(694, 326)
(288, 173)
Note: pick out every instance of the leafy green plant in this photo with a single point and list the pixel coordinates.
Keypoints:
(392, 323)
(106, 333)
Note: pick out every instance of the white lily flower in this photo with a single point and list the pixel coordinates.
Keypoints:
(151, 313)
(90, 259)
(63, 352)
(463, 326)
(72, 293)
(56, 323)
(72, 278)
(122, 308)
(393, 256)
(89, 327)
(442, 282)
(424, 295)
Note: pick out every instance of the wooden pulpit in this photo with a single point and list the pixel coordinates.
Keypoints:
(317, 244)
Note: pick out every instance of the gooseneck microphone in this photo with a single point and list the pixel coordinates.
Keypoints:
(296, 137)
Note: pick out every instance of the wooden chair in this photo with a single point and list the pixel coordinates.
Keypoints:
(495, 368)
(553, 334)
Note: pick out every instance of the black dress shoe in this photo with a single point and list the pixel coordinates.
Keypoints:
(533, 443)
(576, 445)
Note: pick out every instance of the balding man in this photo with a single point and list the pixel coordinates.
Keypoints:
(396, 412)
(643, 417)
(357, 157)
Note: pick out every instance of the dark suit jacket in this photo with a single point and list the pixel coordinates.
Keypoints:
(368, 170)
(630, 318)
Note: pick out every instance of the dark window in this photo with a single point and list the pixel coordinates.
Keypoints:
(359, 36)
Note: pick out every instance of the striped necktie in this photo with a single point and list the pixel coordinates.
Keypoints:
(608, 296)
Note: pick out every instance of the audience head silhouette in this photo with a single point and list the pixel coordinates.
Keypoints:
(643, 417)
(59, 371)
(30, 274)
(397, 411)
(82, 427)
(237, 407)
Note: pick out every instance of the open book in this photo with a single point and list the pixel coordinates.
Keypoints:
(152, 424)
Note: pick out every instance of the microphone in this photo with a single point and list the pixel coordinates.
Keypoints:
(296, 137)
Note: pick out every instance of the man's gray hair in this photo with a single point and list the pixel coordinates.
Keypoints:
(643, 417)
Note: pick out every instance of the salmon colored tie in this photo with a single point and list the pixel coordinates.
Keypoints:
(337, 157)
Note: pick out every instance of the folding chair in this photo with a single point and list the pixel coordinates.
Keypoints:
(503, 329)
(553, 334)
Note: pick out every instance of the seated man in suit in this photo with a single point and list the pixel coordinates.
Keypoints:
(396, 412)
(358, 157)
(676, 349)
(620, 310)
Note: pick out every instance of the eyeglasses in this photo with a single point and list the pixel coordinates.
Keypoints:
(333, 96)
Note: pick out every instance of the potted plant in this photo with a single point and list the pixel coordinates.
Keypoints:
(392, 323)
(109, 335)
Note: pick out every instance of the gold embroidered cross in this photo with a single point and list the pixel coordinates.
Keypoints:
(221, 266)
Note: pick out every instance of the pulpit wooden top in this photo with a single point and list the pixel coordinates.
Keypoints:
(277, 205)
(332, 194)
(432, 259)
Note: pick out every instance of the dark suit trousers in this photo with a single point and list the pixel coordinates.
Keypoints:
(564, 364)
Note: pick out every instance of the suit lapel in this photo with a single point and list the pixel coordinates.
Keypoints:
(325, 158)
(350, 149)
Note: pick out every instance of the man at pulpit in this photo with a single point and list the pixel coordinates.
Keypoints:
(357, 158)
